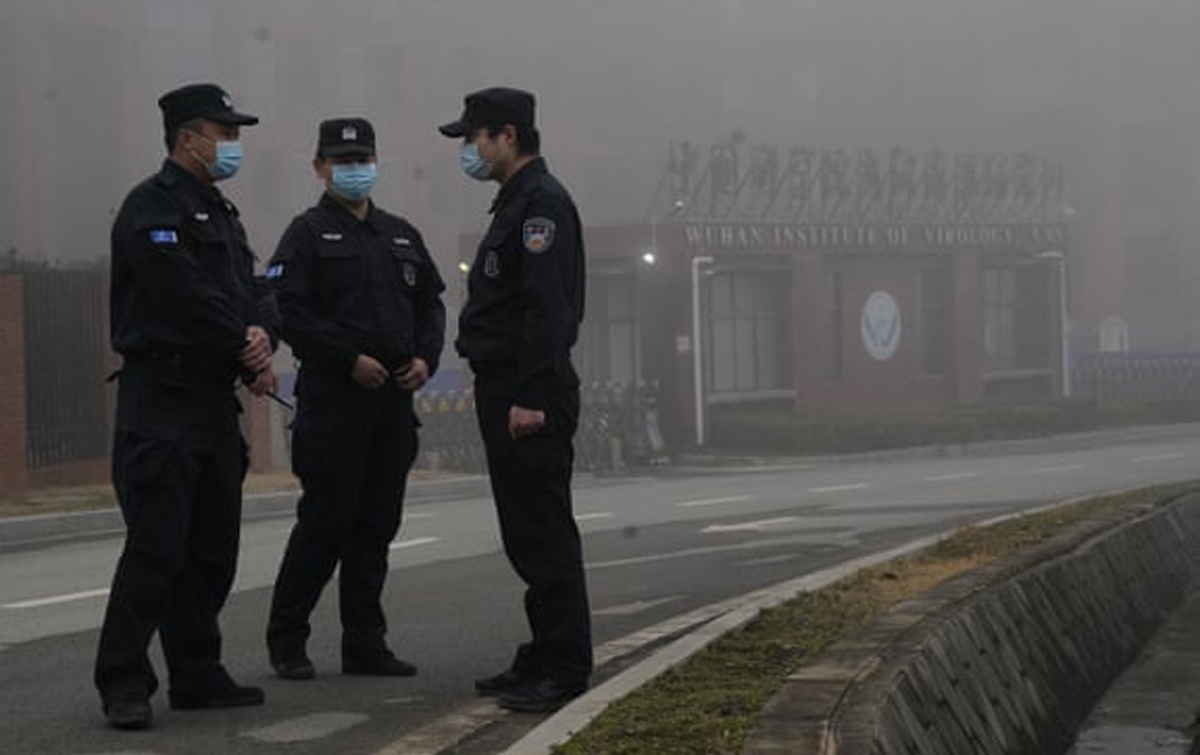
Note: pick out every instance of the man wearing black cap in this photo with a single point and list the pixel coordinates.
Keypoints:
(521, 318)
(189, 319)
(361, 304)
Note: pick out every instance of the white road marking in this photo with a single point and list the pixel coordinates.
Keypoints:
(952, 477)
(269, 496)
(819, 540)
(1159, 457)
(593, 517)
(759, 526)
(769, 561)
(447, 478)
(447, 731)
(415, 542)
(765, 469)
(306, 728)
(841, 488)
(72, 597)
(1056, 470)
(714, 501)
(629, 609)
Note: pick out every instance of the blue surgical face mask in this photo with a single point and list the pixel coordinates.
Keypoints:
(227, 161)
(354, 181)
(474, 165)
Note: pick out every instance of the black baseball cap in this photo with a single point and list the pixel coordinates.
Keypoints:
(339, 137)
(207, 101)
(498, 106)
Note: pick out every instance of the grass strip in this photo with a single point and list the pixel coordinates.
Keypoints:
(711, 703)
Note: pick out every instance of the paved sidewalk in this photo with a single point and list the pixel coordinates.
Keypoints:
(266, 497)
(1152, 707)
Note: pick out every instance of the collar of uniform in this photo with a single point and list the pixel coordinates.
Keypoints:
(329, 204)
(174, 174)
(534, 168)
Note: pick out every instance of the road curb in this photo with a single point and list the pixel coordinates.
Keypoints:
(571, 719)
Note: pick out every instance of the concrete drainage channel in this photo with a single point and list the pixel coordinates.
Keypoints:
(1009, 658)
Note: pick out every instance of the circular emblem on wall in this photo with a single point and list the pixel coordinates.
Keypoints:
(881, 326)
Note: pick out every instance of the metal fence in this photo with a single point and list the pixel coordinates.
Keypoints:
(1136, 377)
(618, 428)
(65, 360)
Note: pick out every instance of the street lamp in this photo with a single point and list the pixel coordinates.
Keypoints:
(1061, 259)
(697, 359)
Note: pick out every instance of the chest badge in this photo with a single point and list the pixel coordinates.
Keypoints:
(491, 264)
(331, 236)
(401, 241)
(538, 235)
(201, 217)
(164, 237)
(410, 274)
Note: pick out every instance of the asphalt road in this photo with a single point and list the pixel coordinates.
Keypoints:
(657, 547)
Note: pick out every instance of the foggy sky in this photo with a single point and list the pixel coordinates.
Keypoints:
(1103, 85)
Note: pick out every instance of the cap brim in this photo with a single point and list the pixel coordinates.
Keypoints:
(232, 118)
(454, 130)
(346, 150)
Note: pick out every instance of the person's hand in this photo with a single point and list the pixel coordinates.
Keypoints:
(264, 382)
(414, 375)
(256, 356)
(368, 373)
(524, 422)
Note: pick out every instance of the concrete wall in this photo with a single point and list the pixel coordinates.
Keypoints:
(1014, 667)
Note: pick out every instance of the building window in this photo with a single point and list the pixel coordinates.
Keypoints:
(834, 361)
(610, 343)
(934, 321)
(747, 334)
(1015, 335)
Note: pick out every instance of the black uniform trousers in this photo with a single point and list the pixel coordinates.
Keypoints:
(352, 452)
(178, 464)
(531, 484)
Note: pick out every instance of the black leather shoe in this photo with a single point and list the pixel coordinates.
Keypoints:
(379, 665)
(296, 669)
(129, 714)
(229, 695)
(490, 686)
(541, 696)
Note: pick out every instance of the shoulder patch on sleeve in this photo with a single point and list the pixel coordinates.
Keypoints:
(163, 236)
(538, 235)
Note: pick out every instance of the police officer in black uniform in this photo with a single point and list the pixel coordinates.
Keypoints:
(361, 304)
(189, 319)
(521, 318)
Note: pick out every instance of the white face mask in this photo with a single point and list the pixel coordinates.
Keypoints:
(354, 181)
(473, 164)
(228, 159)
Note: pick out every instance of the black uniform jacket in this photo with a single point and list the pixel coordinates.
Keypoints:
(183, 284)
(348, 287)
(526, 289)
